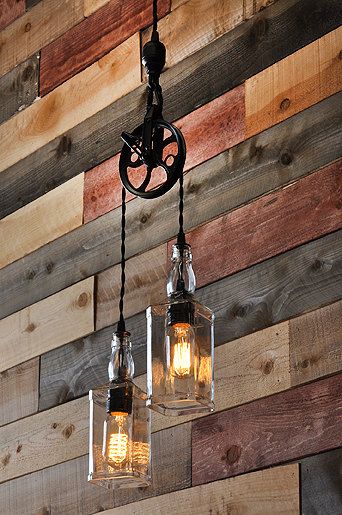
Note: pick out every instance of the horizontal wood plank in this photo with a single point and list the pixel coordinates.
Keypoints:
(277, 222)
(19, 88)
(290, 85)
(10, 10)
(19, 387)
(47, 324)
(197, 80)
(269, 491)
(316, 344)
(56, 213)
(204, 21)
(248, 170)
(91, 39)
(208, 130)
(74, 101)
(308, 418)
(321, 478)
(90, 6)
(35, 29)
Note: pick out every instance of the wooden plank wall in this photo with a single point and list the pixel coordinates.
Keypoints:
(255, 86)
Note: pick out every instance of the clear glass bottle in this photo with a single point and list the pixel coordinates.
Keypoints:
(180, 344)
(120, 430)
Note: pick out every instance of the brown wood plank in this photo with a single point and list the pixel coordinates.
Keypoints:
(19, 88)
(221, 184)
(290, 85)
(277, 222)
(19, 388)
(80, 97)
(91, 39)
(208, 130)
(287, 426)
(316, 344)
(265, 492)
(35, 29)
(286, 286)
(321, 478)
(10, 10)
(47, 324)
(196, 80)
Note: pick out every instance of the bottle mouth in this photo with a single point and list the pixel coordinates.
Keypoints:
(121, 338)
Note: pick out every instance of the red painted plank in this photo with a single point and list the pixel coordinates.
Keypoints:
(94, 37)
(209, 130)
(10, 10)
(269, 226)
(284, 427)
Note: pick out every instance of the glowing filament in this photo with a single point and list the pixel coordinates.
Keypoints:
(182, 352)
(117, 443)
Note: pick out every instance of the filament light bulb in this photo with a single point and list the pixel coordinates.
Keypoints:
(115, 441)
(182, 341)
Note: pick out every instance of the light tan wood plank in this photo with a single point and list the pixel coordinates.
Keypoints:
(57, 212)
(44, 439)
(146, 276)
(49, 323)
(19, 391)
(316, 344)
(42, 24)
(194, 24)
(269, 491)
(90, 6)
(80, 97)
(294, 83)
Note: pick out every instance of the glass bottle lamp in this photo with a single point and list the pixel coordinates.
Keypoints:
(180, 342)
(119, 446)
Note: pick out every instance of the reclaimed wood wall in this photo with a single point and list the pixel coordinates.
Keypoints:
(255, 85)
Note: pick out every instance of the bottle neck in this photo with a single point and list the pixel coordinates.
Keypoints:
(121, 364)
(181, 280)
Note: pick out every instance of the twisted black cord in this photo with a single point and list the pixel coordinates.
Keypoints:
(181, 235)
(121, 323)
(155, 16)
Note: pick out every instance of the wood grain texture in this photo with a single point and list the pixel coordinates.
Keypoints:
(91, 39)
(19, 387)
(260, 493)
(321, 478)
(10, 10)
(47, 324)
(35, 29)
(90, 6)
(233, 178)
(56, 213)
(146, 276)
(291, 85)
(209, 130)
(204, 21)
(45, 439)
(19, 88)
(197, 80)
(277, 222)
(316, 344)
(307, 418)
(68, 105)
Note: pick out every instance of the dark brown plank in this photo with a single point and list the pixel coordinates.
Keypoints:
(93, 38)
(283, 287)
(321, 480)
(248, 170)
(263, 40)
(9, 11)
(286, 426)
(19, 87)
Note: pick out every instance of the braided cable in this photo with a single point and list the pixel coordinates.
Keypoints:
(121, 323)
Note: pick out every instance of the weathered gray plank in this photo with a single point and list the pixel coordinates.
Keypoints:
(261, 164)
(266, 38)
(321, 480)
(288, 285)
(19, 87)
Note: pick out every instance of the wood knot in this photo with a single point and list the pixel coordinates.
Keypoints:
(64, 146)
(193, 188)
(54, 425)
(267, 367)
(19, 448)
(305, 363)
(82, 300)
(49, 267)
(27, 73)
(30, 328)
(27, 27)
(144, 218)
(93, 198)
(319, 265)
(30, 275)
(241, 311)
(286, 158)
(67, 431)
(340, 55)
(285, 104)
(6, 459)
(233, 454)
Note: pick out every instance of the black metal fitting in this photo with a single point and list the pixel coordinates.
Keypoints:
(120, 399)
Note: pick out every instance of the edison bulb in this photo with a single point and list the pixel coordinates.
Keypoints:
(115, 439)
(182, 344)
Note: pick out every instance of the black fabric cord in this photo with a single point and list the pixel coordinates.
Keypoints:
(155, 15)
(181, 235)
(121, 323)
